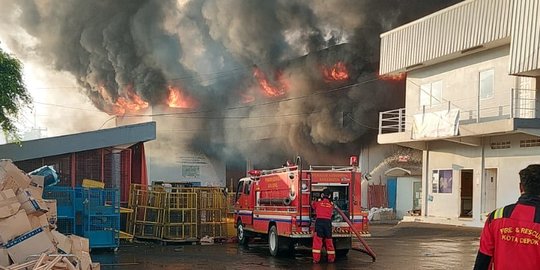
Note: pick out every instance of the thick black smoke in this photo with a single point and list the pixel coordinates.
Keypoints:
(210, 48)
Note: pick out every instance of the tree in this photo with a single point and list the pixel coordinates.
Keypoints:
(13, 93)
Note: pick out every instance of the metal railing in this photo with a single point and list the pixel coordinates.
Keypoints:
(392, 121)
(522, 103)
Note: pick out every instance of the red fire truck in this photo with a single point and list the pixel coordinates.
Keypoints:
(276, 205)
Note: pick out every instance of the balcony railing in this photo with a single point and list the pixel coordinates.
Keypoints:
(392, 121)
(523, 104)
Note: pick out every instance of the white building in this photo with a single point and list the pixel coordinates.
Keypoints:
(471, 103)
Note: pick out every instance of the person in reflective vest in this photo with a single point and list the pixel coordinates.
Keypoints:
(511, 235)
(323, 228)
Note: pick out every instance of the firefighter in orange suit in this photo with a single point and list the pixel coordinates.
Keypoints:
(323, 228)
(511, 235)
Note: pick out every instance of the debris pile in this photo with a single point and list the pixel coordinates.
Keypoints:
(28, 236)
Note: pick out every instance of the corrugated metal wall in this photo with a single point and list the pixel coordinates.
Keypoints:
(460, 27)
(525, 48)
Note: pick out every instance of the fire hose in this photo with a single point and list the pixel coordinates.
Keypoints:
(367, 250)
(280, 201)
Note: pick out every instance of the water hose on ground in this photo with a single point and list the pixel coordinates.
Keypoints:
(367, 250)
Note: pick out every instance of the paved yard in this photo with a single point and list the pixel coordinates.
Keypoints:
(405, 246)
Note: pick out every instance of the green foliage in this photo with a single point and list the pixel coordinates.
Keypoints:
(13, 93)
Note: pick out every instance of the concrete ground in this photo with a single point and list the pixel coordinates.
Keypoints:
(403, 246)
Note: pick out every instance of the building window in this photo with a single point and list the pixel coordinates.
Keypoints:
(486, 83)
(442, 181)
(500, 145)
(529, 143)
(431, 94)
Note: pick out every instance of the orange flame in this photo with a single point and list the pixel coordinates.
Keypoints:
(131, 103)
(393, 77)
(178, 99)
(338, 72)
(267, 87)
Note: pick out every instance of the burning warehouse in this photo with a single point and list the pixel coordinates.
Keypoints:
(314, 106)
(221, 88)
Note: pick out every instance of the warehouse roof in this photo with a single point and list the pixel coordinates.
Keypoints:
(52, 146)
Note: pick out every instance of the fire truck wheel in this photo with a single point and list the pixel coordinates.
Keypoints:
(273, 241)
(241, 234)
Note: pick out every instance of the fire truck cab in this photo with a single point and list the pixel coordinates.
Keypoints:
(276, 205)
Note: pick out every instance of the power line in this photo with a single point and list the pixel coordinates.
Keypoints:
(363, 125)
(179, 114)
(65, 107)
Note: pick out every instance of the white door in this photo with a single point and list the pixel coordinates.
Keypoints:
(490, 191)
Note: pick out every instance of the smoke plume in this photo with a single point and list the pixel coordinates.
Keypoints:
(131, 55)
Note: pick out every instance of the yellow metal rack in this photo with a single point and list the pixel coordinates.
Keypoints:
(179, 214)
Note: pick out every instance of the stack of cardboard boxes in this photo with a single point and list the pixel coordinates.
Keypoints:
(28, 235)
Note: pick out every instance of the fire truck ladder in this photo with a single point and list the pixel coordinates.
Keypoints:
(367, 250)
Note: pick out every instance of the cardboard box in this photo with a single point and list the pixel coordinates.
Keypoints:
(36, 192)
(37, 181)
(52, 215)
(11, 177)
(31, 204)
(62, 242)
(85, 260)
(95, 266)
(29, 244)
(9, 205)
(38, 221)
(79, 244)
(14, 226)
(4, 257)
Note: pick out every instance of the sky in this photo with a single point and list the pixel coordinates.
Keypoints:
(57, 104)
